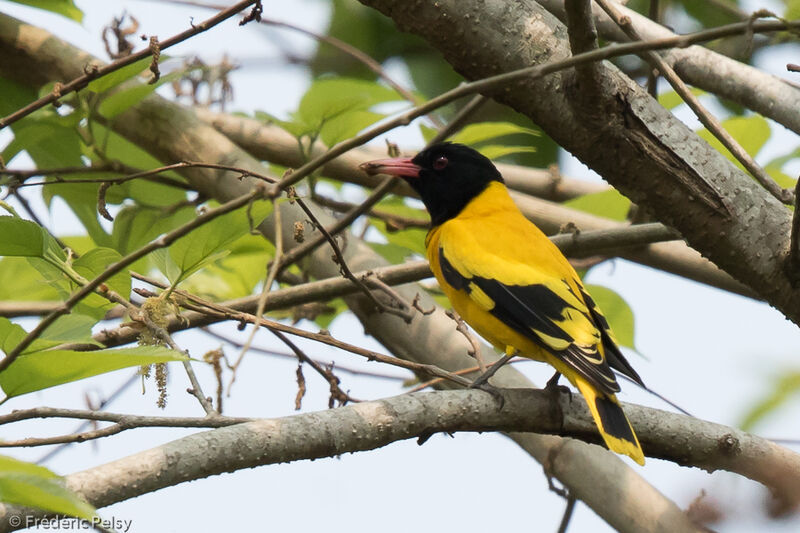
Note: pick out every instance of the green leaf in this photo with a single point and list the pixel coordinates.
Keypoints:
(40, 370)
(786, 386)
(209, 242)
(412, 239)
(49, 138)
(710, 15)
(32, 485)
(617, 312)
(337, 306)
(750, 132)
(62, 7)
(330, 97)
(347, 125)
(22, 238)
(71, 328)
(11, 334)
(15, 96)
(610, 204)
(95, 261)
(494, 151)
(296, 129)
(671, 99)
(126, 98)
(792, 10)
(427, 132)
(484, 131)
(136, 225)
(118, 76)
(336, 108)
(393, 253)
(92, 264)
(144, 192)
(236, 274)
(780, 177)
(18, 281)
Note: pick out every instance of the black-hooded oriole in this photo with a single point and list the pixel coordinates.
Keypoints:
(509, 282)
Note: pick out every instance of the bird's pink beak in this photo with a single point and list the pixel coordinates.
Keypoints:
(398, 166)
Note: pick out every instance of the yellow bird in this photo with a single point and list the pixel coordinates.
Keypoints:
(509, 282)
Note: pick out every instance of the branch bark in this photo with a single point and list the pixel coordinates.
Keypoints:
(764, 93)
(371, 425)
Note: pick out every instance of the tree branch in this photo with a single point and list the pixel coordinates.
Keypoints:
(708, 120)
(488, 84)
(764, 93)
(371, 425)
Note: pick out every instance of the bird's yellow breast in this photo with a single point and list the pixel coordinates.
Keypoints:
(499, 243)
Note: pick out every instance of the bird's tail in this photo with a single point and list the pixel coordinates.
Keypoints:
(612, 423)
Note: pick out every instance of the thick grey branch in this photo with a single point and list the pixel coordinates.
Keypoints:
(764, 93)
(371, 425)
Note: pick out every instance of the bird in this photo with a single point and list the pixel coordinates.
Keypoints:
(508, 281)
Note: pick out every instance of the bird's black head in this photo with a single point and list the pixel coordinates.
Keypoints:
(446, 176)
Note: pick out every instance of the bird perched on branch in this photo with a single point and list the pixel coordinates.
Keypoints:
(509, 282)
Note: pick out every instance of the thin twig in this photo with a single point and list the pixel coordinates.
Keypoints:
(262, 300)
(122, 422)
(297, 253)
(196, 390)
(708, 120)
(583, 38)
(652, 76)
(460, 119)
(406, 312)
(340, 45)
(94, 72)
(475, 346)
(393, 221)
(229, 313)
(31, 213)
(562, 527)
(337, 394)
(134, 378)
(267, 351)
(793, 263)
(584, 243)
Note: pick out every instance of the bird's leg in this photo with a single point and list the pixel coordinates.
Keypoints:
(484, 378)
(553, 382)
(553, 387)
(482, 382)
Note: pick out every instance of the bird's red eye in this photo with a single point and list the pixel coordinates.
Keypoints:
(440, 162)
